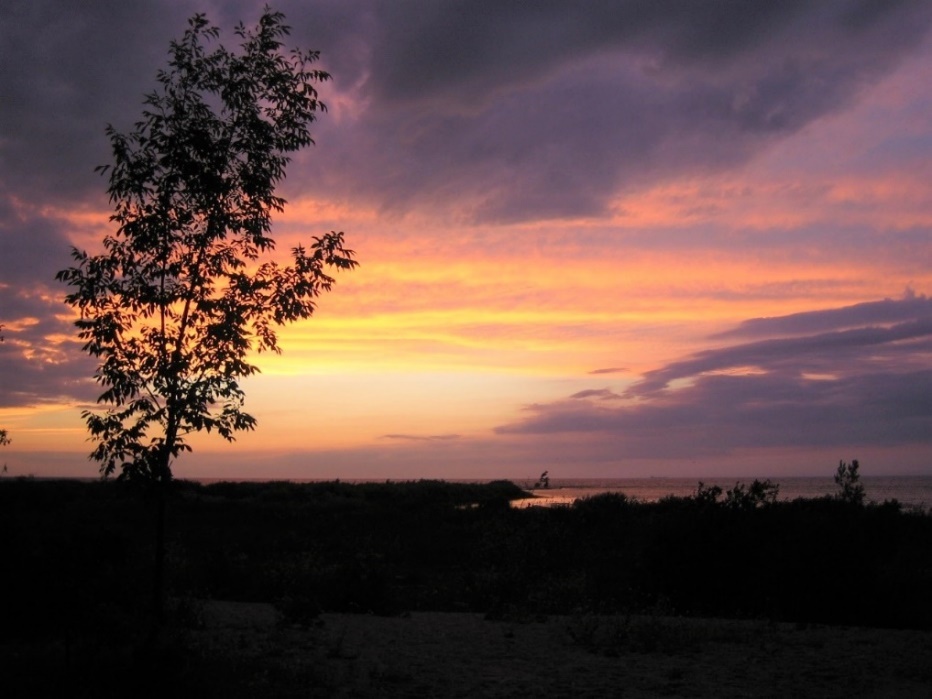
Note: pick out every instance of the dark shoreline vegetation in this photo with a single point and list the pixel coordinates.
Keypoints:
(78, 557)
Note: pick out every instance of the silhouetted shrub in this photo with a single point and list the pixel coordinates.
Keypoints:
(390, 547)
(848, 480)
(758, 494)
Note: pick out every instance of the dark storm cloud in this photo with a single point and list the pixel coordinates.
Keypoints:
(868, 385)
(34, 248)
(534, 110)
(469, 50)
(508, 111)
(68, 69)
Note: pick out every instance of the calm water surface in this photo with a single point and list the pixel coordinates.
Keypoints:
(914, 491)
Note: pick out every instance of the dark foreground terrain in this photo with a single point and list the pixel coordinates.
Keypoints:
(439, 589)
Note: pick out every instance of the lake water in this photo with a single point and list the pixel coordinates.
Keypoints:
(913, 491)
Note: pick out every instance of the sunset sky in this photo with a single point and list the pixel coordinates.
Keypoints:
(604, 239)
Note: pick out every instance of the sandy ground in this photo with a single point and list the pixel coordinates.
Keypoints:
(467, 655)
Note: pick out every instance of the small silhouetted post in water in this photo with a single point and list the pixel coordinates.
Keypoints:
(4, 437)
(4, 440)
(181, 298)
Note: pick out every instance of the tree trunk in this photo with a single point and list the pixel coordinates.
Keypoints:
(158, 582)
(161, 484)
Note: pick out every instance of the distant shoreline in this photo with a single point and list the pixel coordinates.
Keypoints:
(910, 490)
(914, 491)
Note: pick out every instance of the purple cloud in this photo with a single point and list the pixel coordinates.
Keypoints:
(600, 393)
(859, 386)
(912, 306)
(509, 111)
(843, 351)
(463, 105)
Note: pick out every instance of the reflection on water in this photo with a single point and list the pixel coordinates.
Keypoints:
(914, 491)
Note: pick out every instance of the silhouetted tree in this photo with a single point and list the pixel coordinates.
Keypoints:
(180, 296)
(848, 481)
(178, 299)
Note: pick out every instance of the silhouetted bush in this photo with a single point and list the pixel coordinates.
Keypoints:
(848, 480)
(79, 554)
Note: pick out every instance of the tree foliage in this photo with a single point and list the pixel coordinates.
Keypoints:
(184, 290)
(741, 497)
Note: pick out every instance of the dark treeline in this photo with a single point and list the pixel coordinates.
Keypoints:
(78, 555)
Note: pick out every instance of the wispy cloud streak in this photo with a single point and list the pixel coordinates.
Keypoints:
(867, 385)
